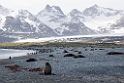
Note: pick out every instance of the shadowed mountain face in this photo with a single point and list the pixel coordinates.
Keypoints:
(51, 21)
(119, 23)
(16, 25)
(54, 17)
(116, 26)
(99, 18)
(95, 11)
(77, 29)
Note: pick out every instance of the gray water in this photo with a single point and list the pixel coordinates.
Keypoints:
(6, 53)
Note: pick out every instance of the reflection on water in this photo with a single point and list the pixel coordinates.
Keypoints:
(6, 53)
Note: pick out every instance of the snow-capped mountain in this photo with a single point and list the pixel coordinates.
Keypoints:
(95, 17)
(96, 11)
(51, 14)
(118, 23)
(53, 17)
(23, 24)
(77, 15)
(51, 21)
(116, 27)
(5, 11)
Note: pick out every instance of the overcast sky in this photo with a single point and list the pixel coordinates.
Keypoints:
(35, 6)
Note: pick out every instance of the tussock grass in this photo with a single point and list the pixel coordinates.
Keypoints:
(21, 44)
(59, 44)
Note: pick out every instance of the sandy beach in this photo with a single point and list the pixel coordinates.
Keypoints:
(96, 67)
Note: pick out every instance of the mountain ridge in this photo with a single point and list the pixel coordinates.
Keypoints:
(51, 21)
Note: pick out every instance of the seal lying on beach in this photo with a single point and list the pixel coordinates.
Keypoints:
(31, 60)
(48, 69)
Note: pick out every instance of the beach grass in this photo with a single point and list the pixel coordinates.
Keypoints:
(84, 44)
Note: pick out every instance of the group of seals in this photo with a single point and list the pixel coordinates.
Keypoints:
(47, 69)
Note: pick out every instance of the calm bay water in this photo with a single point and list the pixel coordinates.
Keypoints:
(6, 53)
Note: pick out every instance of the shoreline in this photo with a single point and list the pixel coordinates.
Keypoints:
(14, 53)
(96, 67)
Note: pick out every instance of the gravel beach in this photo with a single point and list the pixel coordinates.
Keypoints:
(96, 67)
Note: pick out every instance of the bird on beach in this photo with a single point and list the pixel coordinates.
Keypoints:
(10, 57)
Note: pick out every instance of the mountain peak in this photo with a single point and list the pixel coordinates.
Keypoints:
(95, 5)
(75, 11)
(51, 11)
(95, 11)
(56, 7)
(1, 6)
(47, 7)
(53, 8)
(24, 13)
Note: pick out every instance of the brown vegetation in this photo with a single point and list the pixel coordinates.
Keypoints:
(14, 68)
